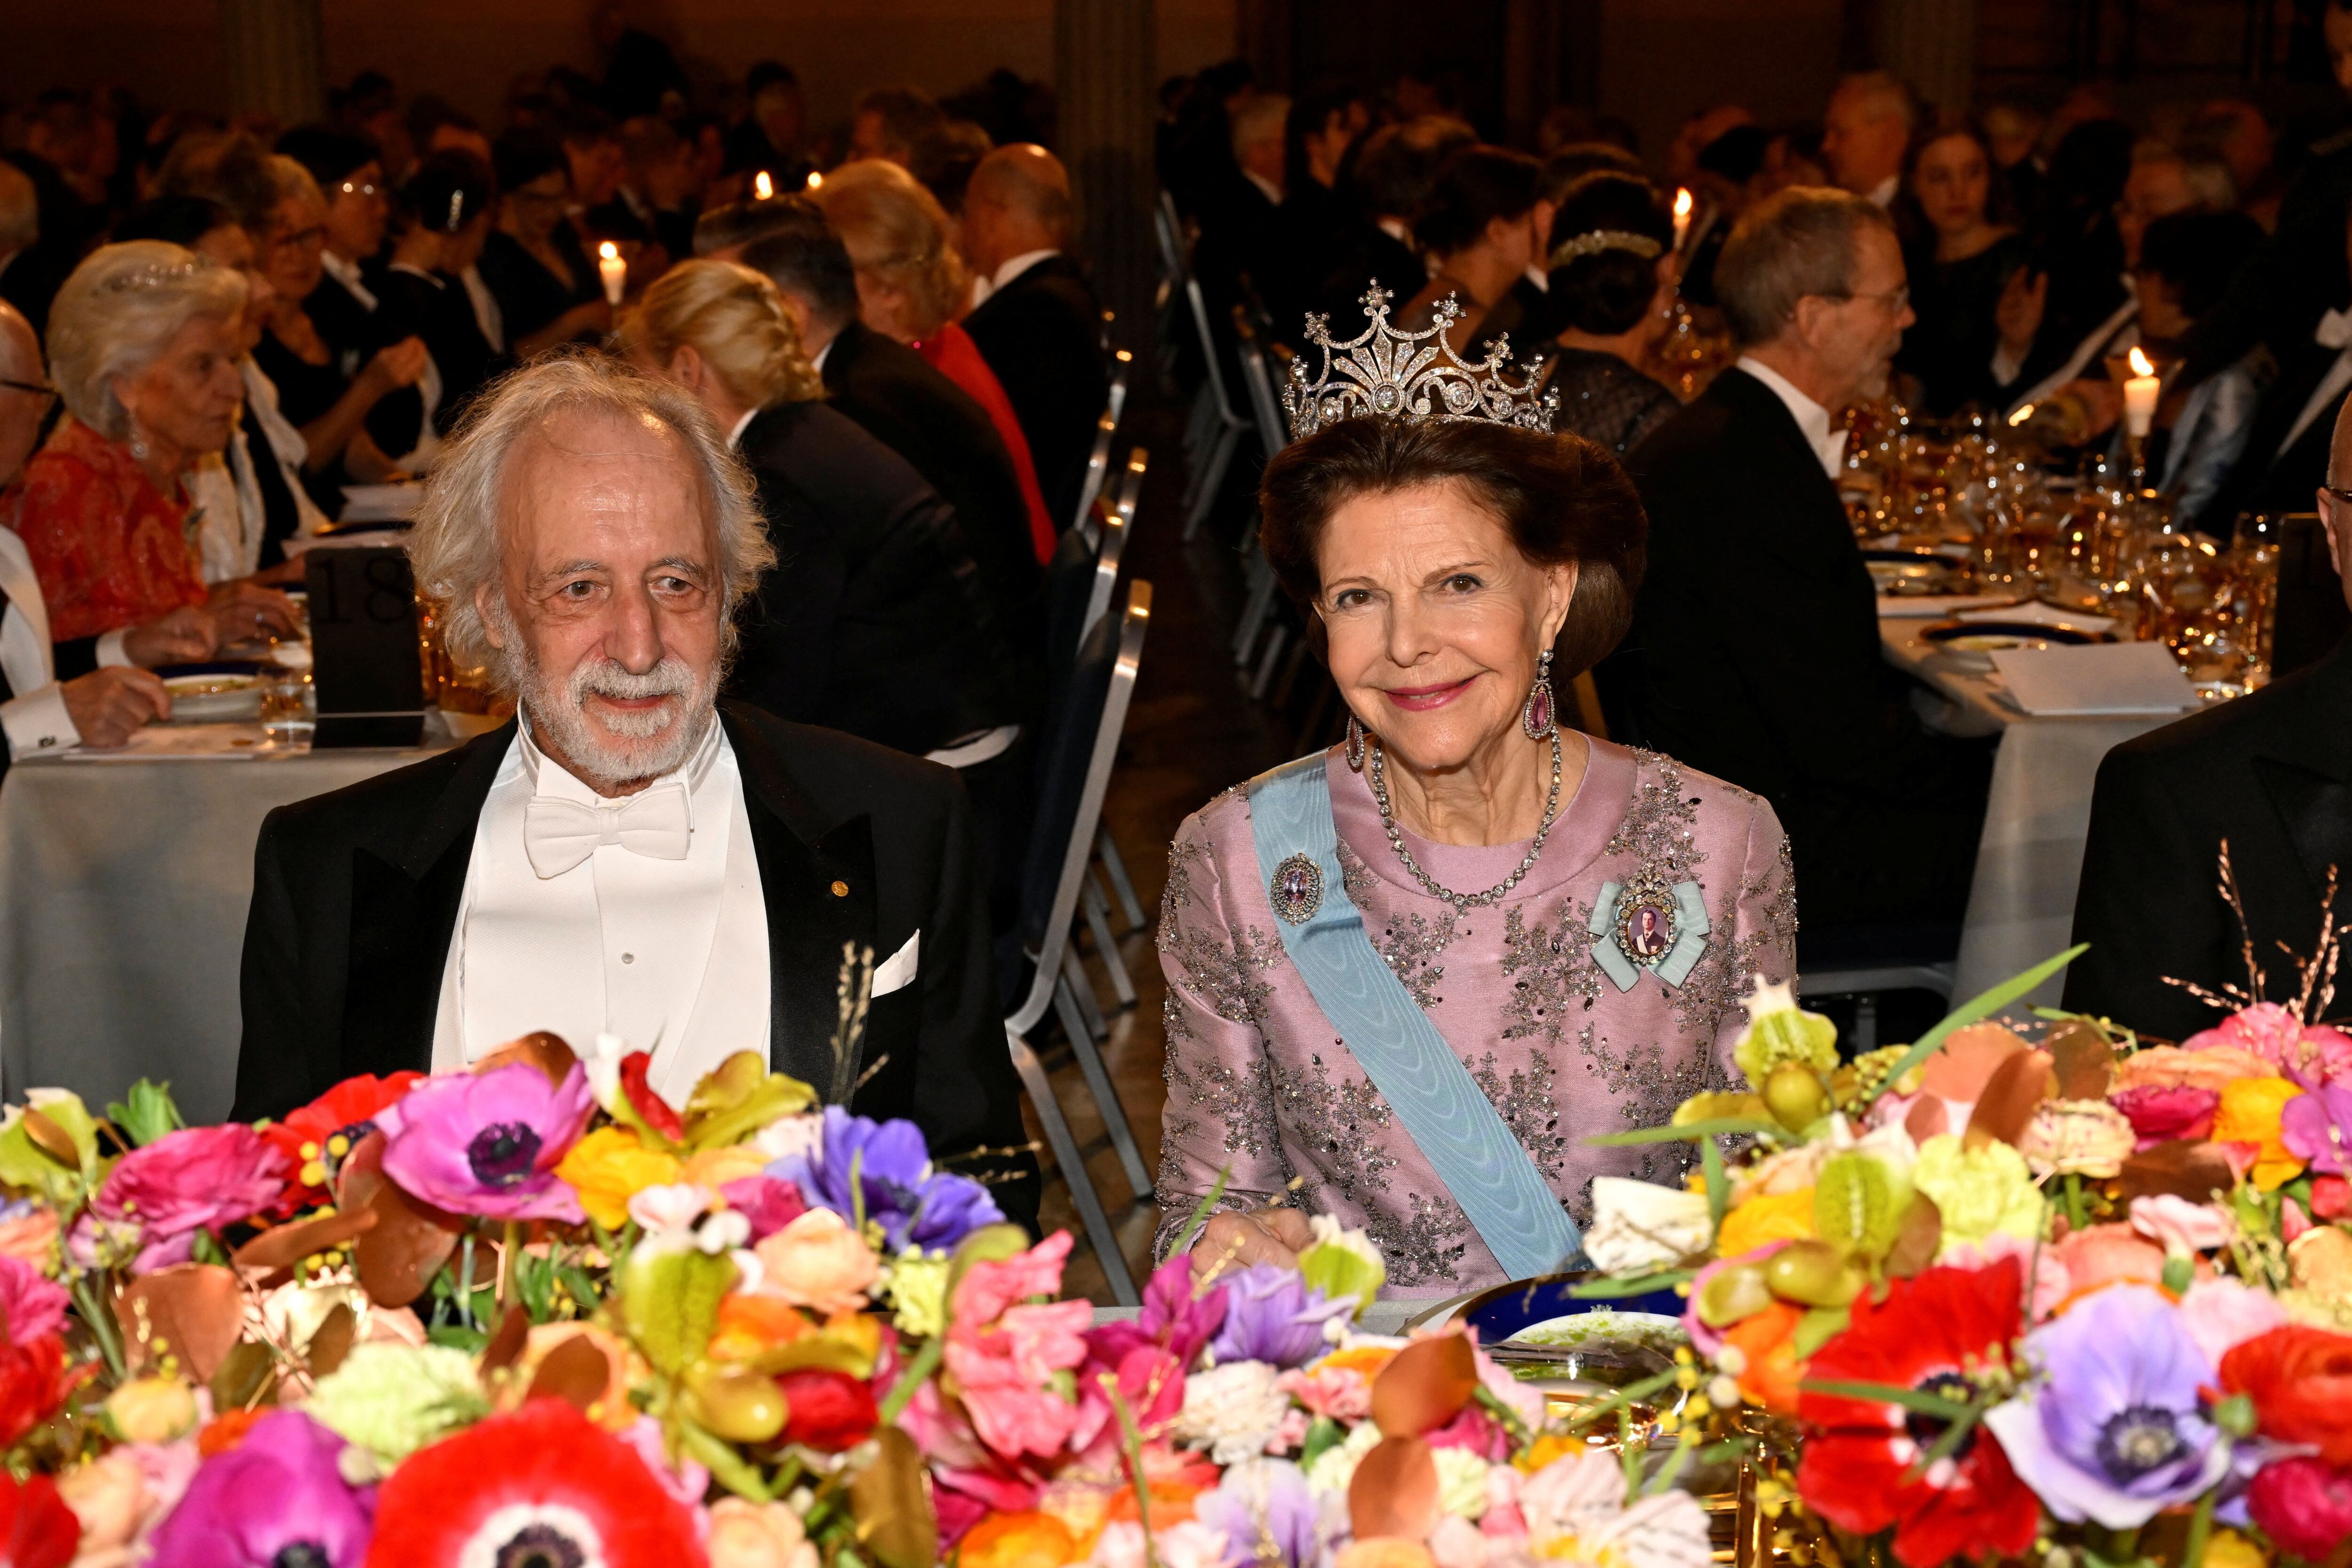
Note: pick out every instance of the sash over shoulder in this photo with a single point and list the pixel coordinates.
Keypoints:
(1465, 1140)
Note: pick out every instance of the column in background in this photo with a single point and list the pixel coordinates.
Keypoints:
(274, 60)
(1105, 79)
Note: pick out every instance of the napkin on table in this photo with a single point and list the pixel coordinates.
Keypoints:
(2104, 678)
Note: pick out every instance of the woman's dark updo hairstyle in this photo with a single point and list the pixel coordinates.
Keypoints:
(1609, 291)
(450, 182)
(1561, 498)
(1475, 186)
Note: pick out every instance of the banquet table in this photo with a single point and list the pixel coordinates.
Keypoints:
(125, 882)
(2022, 903)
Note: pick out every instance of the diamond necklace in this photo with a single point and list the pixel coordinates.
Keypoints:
(1461, 901)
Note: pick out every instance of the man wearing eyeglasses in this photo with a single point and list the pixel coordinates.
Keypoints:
(38, 713)
(2270, 775)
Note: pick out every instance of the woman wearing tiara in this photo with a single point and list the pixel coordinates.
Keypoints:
(1410, 979)
(1612, 281)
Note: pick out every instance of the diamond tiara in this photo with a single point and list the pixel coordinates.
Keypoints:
(1387, 373)
(1598, 240)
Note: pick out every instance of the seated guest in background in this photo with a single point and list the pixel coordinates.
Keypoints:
(349, 176)
(768, 138)
(889, 123)
(1038, 323)
(324, 392)
(1485, 226)
(908, 406)
(1318, 219)
(1240, 241)
(2270, 775)
(2288, 444)
(547, 289)
(1396, 169)
(629, 857)
(1728, 176)
(2240, 135)
(874, 623)
(653, 202)
(1612, 281)
(29, 273)
(909, 285)
(1455, 573)
(1864, 131)
(255, 501)
(1757, 629)
(443, 219)
(2186, 263)
(39, 712)
(1964, 251)
(592, 154)
(143, 344)
(2060, 317)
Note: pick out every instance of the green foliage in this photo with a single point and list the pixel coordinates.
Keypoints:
(145, 1113)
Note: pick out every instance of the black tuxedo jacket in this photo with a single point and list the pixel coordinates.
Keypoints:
(1757, 658)
(356, 895)
(934, 424)
(2271, 773)
(874, 621)
(1042, 334)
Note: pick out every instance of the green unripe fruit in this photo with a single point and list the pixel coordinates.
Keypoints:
(730, 1402)
(1858, 1204)
(1733, 1296)
(1794, 1094)
(1813, 1274)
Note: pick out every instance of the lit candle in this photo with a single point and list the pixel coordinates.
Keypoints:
(761, 186)
(2139, 396)
(815, 181)
(1682, 217)
(614, 270)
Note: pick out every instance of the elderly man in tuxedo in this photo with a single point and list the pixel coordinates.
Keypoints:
(39, 712)
(2270, 775)
(631, 857)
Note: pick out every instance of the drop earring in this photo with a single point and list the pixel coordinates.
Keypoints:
(138, 443)
(1355, 752)
(1537, 717)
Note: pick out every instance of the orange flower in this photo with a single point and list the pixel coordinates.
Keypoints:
(714, 1168)
(2300, 1379)
(225, 1432)
(2170, 1067)
(1029, 1539)
(1365, 1359)
(1384, 1551)
(2249, 1115)
(1768, 1340)
(610, 1408)
(750, 1325)
(1172, 1501)
(1766, 1219)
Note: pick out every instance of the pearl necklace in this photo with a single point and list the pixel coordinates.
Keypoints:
(1462, 901)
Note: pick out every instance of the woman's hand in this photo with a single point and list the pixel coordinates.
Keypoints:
(2019, 314)
(107, 705)
(184, 636)
(396, 365)
(1232, 1241)
(243, 609)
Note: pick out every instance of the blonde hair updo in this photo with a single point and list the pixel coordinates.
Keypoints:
(735, 320)
(898, 231)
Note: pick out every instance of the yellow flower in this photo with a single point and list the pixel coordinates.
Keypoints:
(714, 1168)
(1980, 1192)
(2228, 1549)
(152, 1409)
(1028, 1540)
(608, 1168)
(1767, 1217)
(2249, 1113)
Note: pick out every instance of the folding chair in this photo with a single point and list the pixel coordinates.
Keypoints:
(1083, 743)
(1098, 467)
(1219, 428)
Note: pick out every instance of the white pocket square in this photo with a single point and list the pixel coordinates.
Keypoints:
(898, 971)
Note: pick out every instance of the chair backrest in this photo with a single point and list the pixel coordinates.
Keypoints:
(1098, 467)
(1122, 363)
(1080, 744)
(1208, 340)
(1257, 380)
(1117, 526)
(1167, 228)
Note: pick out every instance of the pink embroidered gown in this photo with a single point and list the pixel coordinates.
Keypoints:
(1260, 1087)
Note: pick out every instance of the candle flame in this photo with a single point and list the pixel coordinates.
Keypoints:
(609, 251)
(815, 180)
(761, 186)
(1683, 202)
(2140, 364)
(2021, 415)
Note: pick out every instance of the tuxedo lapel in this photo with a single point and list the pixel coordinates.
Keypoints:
(817, 883)
(2307, 772)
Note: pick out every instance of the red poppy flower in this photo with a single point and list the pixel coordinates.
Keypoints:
(830, 1410)
(2300, 1379)
(542, 1484)
(34, 1381)
(315, 1138)
(1933, 1333)
(36, 1529)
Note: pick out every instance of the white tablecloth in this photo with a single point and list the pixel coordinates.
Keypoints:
(2022, 905)
(125, 885)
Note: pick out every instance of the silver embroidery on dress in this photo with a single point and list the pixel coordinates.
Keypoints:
(1178, 895)
(1412, 945)
(1356, 878)
(1657, 827)
(1553, 969)
(1647, 1090)
(1226, 978)
(1330, 1121)
(1427, 1245)
(1528, 1106)
(1239, 1106)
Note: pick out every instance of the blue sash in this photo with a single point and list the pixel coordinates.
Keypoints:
(1459, 1132)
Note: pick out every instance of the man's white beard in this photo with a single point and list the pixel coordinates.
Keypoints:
(653, 741)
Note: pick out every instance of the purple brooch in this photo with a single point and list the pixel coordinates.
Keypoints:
(1297, 890)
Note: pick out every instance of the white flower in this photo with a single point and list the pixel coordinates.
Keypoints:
(723, 1232)
(1233, 1410)
(603, 1068)
(1335, 1466)
(788, 1136)
(1639, 1225)
(1187, 1544)
(1577, 1514)
(1460, 1481)
(2180, 1225)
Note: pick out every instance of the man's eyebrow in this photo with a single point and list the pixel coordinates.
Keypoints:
(568, 569)
(685, 564)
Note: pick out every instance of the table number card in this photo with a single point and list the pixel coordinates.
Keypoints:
(370, 679)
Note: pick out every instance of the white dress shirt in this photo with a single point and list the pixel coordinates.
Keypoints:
(669, 954)
(1881, 194)
(1812, 418)
(487, 314)
(347, 272)
(2335, 331)
(34, 720)
(2118, 333)
(982, 288)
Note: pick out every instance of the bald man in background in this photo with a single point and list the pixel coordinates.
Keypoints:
(2271, 775)
(38, 713)
(1037, 324)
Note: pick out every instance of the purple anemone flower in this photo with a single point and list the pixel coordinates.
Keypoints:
(2317, 1127)
(2112, 1429)
(277, 1498)
(1266, 1504)
(914, 1205)
(488, 1143)
(1272, 1315)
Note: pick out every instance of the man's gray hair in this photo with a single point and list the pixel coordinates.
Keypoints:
(1797, 242)
(454, 545)
(20, 210)
(118, 312)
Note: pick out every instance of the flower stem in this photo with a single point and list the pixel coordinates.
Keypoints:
(507, 1264)
(103, 1330)
(2200, 1526)
(2075, 1214)
(918, 1371)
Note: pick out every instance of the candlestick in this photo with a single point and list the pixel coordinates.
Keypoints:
(762, 188)
(614, 270)
(2140, 393)
(1682, 219)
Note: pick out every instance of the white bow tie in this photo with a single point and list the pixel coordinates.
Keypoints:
(2335, 330)
(558, 834)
